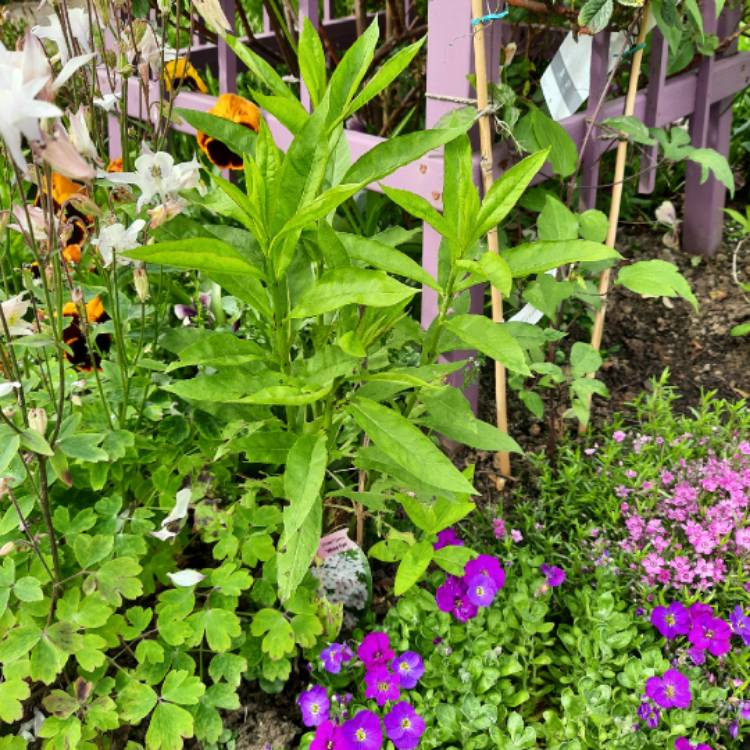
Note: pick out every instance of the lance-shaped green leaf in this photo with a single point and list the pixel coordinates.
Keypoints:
(385, 75)
(538, 257)
(238, 138)
(206, 254)
(656, 278)
(261, 69)
(289, 112)
(420, 208)
(407, 446)
(217, 349)
(385, 257)
(312, 62)
(506, 191)
(413, 566)
(347, 286)
(297, 553)
(303, 478)
(492, 339)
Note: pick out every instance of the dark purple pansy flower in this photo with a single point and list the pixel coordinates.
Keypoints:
(314, 705)
(409, 667)
(451, 597)
(448, 538)
(335, 656)
(363, 732)
(404, 726)
(381, 685)
(327, 737)
(375, 649)
(652, 721)
(486, 565)
(672, 690)
(480, 590)
(555, 576)
(671, 621)
(740, 623)
(644, 711)
(711, 634)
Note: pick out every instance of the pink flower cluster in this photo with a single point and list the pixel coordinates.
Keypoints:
(687, 530)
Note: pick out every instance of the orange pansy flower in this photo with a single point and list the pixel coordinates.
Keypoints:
(236, 109)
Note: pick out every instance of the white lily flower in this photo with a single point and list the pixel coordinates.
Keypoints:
(78, 23)
(116, 239)
(7, 387)
(186, 577)
(157, 176)
(80, 136)
(14, 308)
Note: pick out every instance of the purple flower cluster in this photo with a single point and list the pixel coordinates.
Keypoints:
(671, 690)
(555, 576)
(683, 743)
(705, 632)
(385, 677)
(462, 597)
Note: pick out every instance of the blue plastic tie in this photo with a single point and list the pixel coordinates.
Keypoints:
(488, 18)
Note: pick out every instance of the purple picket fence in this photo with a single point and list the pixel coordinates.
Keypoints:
(703, 94)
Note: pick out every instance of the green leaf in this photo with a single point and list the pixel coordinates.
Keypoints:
(168, 727)
(389, 550)
(28, 589)
(453, 559)
(303, 478)
(385, 75)
(547, 294)
(420, 208)
(632, 127)
(306, 629)
(83, 446)
(219, 627)
(388, 156)
(10, 442)
(267, 447)
(236, 137)
(312, 62)
(412, 567)
(556, 221)
(219, 349)
(506, 191)
(656, 278)
(563, 154)
(385, 258)
(594, 225)
(407, 446)
(449, 413)
(596, 14)
(711, 161)
(492, 339)
(538, 257)
(18, 642)
(261, 69)
(12, 693)
(296, 553)
(741, 330)
(181, 687)
(347, 286)
(206, 254)
(584, 359)
(279, 635)
(136, 701)
(497, 271)
(32, 440)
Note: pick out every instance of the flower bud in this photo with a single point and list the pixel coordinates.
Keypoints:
(38, 420)
(77, 296)
(140, 281)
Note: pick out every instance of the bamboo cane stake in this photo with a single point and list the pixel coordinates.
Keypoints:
(502, 459)
(614, 208)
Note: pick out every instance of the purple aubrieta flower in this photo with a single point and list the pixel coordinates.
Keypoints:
(711, 634)
(672, 690)
(480, 590)
(404, 726)
(335, 656)
(650, 714)
(671, 621)
(555, 576)
(314, 705)
(381, 685)
(451, 597)
(363, 732)
(697, 655)
(448, 538)
(375, 649)
(486, 565)
(327, 737)
(409, 667)
(683, 743)
(740, 623)
(745, 710)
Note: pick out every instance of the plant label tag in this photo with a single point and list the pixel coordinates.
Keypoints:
(566, 81)
(333, 544)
